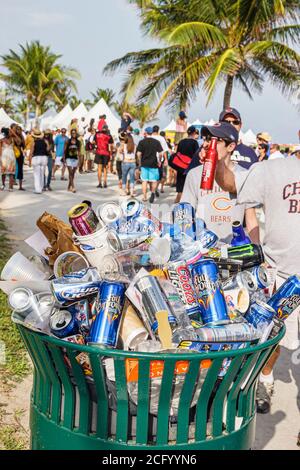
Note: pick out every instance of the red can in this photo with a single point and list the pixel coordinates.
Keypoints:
(209, 167)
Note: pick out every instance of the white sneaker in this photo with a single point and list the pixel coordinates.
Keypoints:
(263, 397)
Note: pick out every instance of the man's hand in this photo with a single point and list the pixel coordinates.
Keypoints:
(225, 176)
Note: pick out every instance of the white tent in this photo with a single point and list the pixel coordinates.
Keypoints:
(197, 123)
(44, 121)
(249, 138)
(79, 112)
(171, 127)
(5, 120)
(211, 122)
(102, 108)
(60, 118)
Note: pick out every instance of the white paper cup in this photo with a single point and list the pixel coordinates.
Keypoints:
(100, 239)
(69, 262)
(95, 256)
(19, 268)
(238, 299)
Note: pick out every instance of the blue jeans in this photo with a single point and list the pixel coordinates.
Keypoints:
(128, 169)
(47, 181)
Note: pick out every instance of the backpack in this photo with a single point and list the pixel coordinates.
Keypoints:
(179, 162)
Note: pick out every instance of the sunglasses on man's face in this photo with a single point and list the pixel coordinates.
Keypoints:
(208, 138)
(235, 122)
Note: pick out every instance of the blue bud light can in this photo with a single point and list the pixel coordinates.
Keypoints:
(260, 313)
(66, 293)
(207, 238)
(208, 288)
(63, 324)
(137, 211)
(105, 327)
(287, 298)
(184, 217)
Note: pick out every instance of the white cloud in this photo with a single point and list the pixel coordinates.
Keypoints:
(44, 19)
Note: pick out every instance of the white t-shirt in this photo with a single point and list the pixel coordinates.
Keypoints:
(275, 155)
(217, 208)
(276, 185)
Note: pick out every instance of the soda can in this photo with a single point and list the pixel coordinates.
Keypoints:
(261, 276)
(205, 277)
(180, 278)
(105, 328)
(83, 220)
(287, 298)
(244, 279)
(66, 292)
(232, 332)
(153, 301)
(110, 212)
(237, 300)
(260, 313)
(21, 300)
(134, 209)
(184, 216)
(63, 324)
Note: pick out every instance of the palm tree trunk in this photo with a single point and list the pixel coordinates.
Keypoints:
(37, 111)
(228, 91)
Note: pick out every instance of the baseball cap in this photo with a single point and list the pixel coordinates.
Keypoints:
(232, 111)
(191, 130)
(224, 130)
(296, 149)
(182, 115)
(149, 130)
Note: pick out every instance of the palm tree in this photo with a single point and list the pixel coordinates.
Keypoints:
(107, 94)
(36, 75)
(241, 42)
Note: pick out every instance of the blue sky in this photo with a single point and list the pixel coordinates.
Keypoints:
(90, 34)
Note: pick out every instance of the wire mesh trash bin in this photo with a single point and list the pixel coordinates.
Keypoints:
(87, 398)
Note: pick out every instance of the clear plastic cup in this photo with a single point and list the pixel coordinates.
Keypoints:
(69, 262)
(19, 268)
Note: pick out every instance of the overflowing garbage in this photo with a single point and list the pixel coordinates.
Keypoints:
(119, 278)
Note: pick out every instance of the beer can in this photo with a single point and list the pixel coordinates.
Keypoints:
(205, 277)
(261, 276)
(184, 216)
(260, 313)
(134, 209)
(287, 298)
(105, 328)
(20, 300)
(207, 238)
(83, 220)
(109, 212)
(180, 278)
(237, 300)
(81, 311)
(153, 301)
(63, 324)
(231, 332)
(208, 347)
(243, 279)
(67, 293)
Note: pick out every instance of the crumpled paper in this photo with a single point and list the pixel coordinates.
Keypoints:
(59, 234)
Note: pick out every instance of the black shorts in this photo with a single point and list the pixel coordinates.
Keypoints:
(119, 170)
(101, 159)
(180, 182)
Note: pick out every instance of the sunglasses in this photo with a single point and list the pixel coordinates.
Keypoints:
(236, 122)
(208, 138)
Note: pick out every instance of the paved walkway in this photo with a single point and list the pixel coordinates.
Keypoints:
(279, 430)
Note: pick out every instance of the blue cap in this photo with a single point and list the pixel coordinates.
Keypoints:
(149, 130)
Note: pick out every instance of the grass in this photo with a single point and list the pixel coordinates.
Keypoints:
(16, 365)
(13, 436)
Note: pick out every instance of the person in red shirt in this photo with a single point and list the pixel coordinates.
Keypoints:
(102, 122)
(104, 143)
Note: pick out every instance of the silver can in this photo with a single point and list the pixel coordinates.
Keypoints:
(23, 301)
(232, 332)
(243, 279)
(261, 276)
(109, 212)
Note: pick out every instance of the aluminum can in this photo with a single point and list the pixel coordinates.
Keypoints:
(180, 278)
(63, 324)
(76, 286)
(251, 255)
(184, 217)
(243, 279)
(110, 212)
(209, 167)
(105, 328)
(83, 220)
(260, 313)
(154, 301)
(261, 276)
(134, 209)
(21, 300)
(207, 238)
(287, 298)
(208, 347)
(231, 332)
(208, 288)
(81, 311)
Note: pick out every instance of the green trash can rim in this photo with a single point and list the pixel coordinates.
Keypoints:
(161, 355)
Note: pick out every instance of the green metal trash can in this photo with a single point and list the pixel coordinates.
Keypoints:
(93, 407)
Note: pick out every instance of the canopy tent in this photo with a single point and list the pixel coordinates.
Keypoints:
(171, 127)
(197, 123)
(60, 118)
(211, 122)
(101, 108)
(43, 122)
(5, 120)
(79, 112)
(249, 138)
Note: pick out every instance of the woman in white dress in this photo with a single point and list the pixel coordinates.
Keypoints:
(7, 158)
